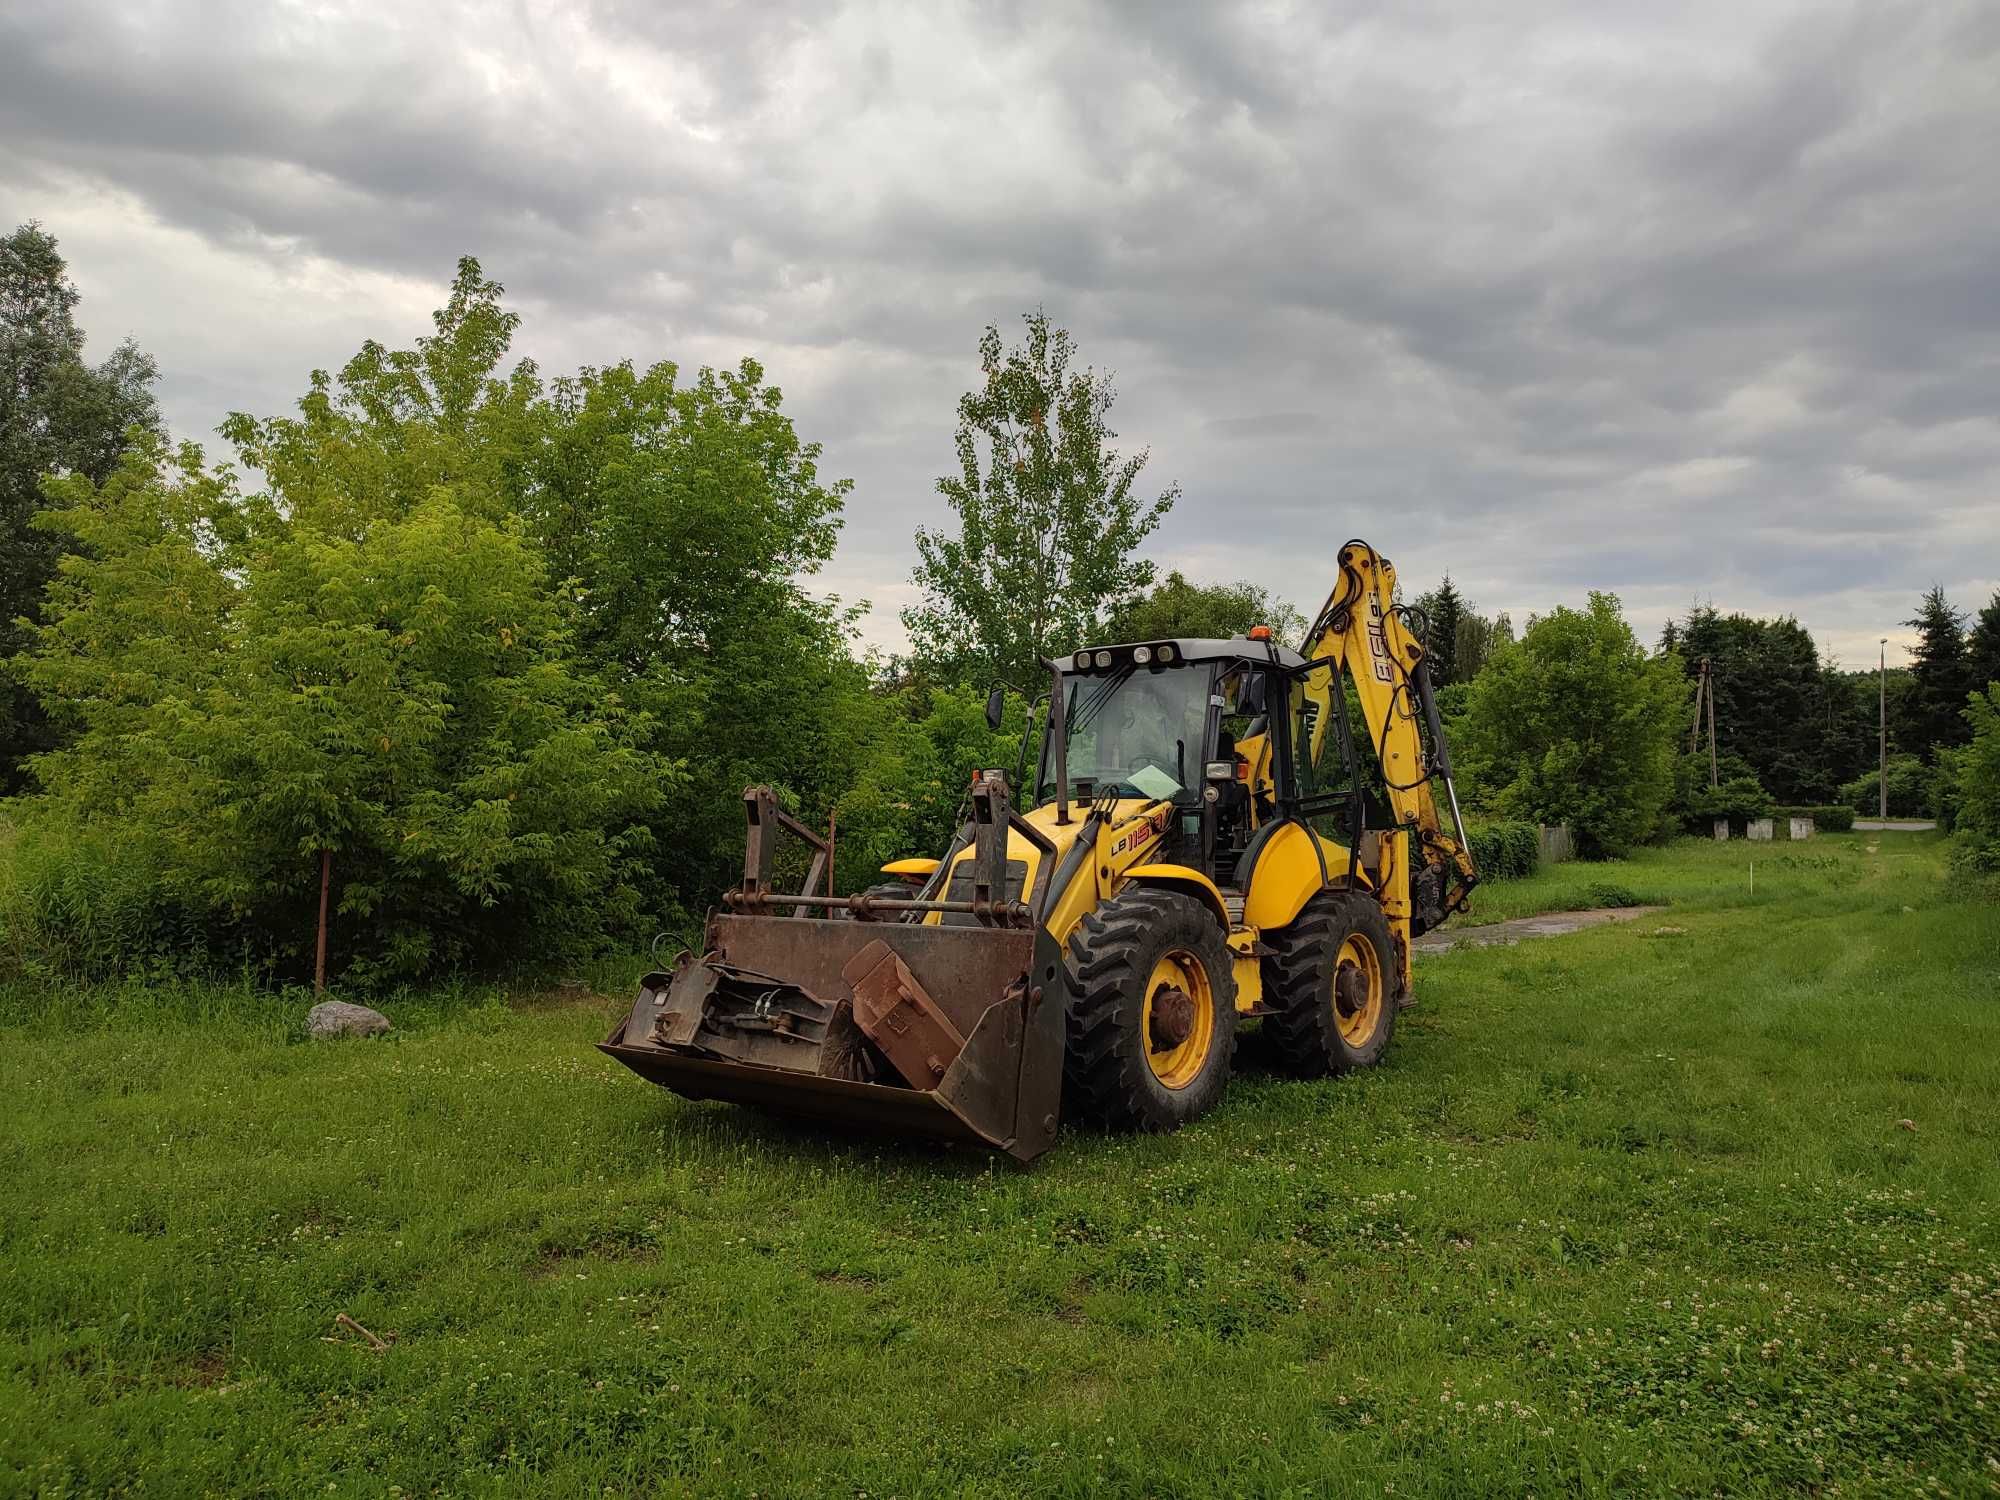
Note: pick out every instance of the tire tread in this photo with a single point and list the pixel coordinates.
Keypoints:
(1111, 955)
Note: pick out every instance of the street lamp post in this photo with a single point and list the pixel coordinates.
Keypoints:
(1882, 679)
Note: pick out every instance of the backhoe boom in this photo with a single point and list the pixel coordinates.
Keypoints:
(1366, 636)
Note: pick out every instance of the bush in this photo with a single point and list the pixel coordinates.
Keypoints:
(1827, 819)
(1946, 789)
(1506, 851)
(82, 903)
(1610, 893)
(1739, 796)
(1909, 789)
(1976, 854)
(1576, 724)
(1737, 799)
(1976, 788)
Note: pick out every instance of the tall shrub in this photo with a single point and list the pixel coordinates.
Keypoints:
(367, 661)
(1576, 724)
(1976, 841)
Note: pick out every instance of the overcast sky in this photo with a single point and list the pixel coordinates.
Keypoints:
(1689, 301)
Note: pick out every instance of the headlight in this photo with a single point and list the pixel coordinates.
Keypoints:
(1141, 655)
(1166, 653)
(1104, 658)
(1082, 662)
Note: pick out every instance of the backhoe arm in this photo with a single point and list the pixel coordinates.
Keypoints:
(1361, 630)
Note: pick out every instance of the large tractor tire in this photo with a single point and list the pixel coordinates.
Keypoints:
(1152, 1013)
(1331, 979)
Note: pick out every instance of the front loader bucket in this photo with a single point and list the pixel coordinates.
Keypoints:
(951, 1033)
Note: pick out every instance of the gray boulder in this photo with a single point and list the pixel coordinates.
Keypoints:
(337, 1018)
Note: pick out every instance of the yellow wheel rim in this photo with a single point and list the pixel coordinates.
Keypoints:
(1176, 1060)
(1358, 991)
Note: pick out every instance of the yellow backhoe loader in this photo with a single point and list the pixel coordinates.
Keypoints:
(1203, 845)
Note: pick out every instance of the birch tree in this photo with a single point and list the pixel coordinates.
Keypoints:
(1049, 517)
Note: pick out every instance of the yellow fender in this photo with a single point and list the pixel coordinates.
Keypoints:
(1187, 881)
(1288, 873)
(909, 867)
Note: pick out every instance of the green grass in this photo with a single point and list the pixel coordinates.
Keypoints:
(1626, 1211)
(1696, 874)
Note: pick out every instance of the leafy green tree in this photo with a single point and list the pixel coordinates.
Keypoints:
(1982, 647)
(1048, 518)
(678, 514)
(396, 428)
(367, 659)
(1933, 716)
(58, 415)
(408, 701)
(1577, 725)
(137, 624)
(1176, 607)
(686, 514)
(680, 507)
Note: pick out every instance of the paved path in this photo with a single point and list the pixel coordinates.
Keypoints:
(1549, 924)
(1894, 825)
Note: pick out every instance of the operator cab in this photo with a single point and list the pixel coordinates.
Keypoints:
(1239, 734)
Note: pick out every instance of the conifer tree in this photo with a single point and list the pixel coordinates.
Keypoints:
(1446, 610)
(1933, 715)
(58, 415)
(1983, 646)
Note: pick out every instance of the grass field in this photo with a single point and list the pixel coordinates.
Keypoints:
(1734, 874)
(1704, 1203)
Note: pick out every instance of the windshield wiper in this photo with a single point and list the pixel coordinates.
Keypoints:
(1091, 706)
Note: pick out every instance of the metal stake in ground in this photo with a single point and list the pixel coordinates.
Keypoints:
(1882, 679)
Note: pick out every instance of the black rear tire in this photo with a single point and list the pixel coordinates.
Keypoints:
(1325, 1021)
(1121, 1067)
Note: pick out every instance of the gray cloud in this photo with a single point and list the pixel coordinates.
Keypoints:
(1686, 302)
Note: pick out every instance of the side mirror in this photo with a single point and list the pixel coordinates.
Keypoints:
(996, 707)
(1251, 701)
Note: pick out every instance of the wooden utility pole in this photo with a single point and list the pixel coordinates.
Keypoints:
(1704, 703)
(1709, 677)
(319, 956)
(1700, 697)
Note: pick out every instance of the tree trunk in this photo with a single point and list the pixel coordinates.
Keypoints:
(319, 956)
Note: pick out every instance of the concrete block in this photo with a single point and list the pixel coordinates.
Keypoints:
(1759, 829)
(1722, 830)
(1802, 828)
